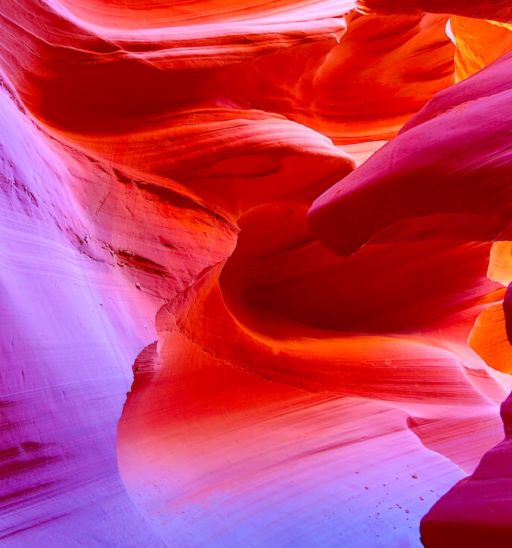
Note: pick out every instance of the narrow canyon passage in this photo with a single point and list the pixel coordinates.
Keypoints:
(254, 268)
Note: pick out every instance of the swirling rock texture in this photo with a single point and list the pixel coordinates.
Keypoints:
(255, 276)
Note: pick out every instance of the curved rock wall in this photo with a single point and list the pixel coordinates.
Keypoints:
(254, 270)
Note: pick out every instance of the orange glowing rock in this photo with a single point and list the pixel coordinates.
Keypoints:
(478, 44)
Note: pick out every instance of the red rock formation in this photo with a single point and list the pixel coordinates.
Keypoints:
(477, 511)
(298, 378)
(431, 173)
(496, 10)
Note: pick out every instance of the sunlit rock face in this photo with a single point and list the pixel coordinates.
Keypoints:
(255, 272)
